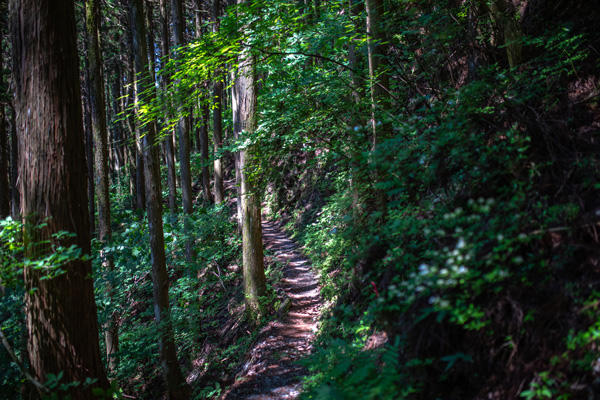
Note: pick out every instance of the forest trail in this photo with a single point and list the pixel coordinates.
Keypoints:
(271, 371)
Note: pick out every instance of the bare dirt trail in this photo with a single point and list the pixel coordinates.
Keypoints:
(271, 371)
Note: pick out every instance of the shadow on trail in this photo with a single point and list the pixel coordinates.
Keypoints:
(271, 371)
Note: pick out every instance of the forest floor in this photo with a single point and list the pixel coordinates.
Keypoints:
(271, 370)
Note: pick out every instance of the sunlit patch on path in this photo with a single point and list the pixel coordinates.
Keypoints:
(271, 371)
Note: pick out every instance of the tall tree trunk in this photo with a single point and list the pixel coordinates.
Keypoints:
(140, 190)
(4, 182)
(176, 387)
(204, 111)
(129, 122)
(61, 312)
(4, 141)
(169, 148)
(378, 76)
(14, 167)
(89, 154)
(4, 173)
(183, 132)
(379, 83)
(217, 116)
(236, 164)
(503, 12)
(252, 246)
(119, 141)
(89, 140)
(100, 130)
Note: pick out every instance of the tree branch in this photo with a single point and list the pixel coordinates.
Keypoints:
(39, 386)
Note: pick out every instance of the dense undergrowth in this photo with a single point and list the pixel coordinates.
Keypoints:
(207, 308)
(458, 256)
(482, 272)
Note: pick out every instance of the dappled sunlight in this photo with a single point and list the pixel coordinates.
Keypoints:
(272, 371)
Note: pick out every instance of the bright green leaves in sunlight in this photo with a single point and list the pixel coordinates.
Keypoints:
(49, 262)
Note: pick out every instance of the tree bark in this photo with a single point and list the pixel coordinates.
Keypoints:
(169, 148)
(176, 386)
(183, 132)
(14, 167)
(236, 159)
(204, 112)
(100, 131)
(61, 312)
(217, 117)
(378, 76)
(503, 12)
(379, 83)
(89, 142)
(119, 141)
(140, 191)
(252, 246)
(4, 151)
(4, 181)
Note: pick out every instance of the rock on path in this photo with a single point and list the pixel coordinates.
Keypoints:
(271, 371)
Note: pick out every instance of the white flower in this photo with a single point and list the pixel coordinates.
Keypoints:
(460, 244)
(462, 270)
(518, 260)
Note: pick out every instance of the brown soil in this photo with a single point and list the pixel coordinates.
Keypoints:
(271, 370)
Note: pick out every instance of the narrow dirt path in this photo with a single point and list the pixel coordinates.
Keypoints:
(271, 371)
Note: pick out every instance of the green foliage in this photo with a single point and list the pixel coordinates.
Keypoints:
(465, 231)
(193, 315)
(345, 370)
(470, 181)
(13, 261)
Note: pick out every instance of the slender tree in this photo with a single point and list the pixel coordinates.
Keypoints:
(183, 132)
(378, 75)
(176, 387)
(4, 134)
(164, 83)
(4, 181)
(119, 141)
(503, 12)
(140, 190)
(217, 115)
(204, 111)
(89, 141)
(245, 122)
(15, 195)
(100, 131)
(378, 84)
(61, 312)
